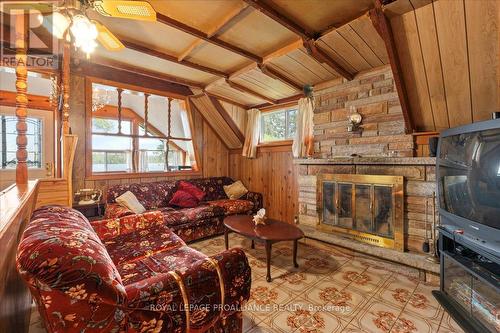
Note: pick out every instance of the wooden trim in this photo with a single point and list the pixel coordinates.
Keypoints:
(65, 87)
(227, 118)
(271, 72)
(134, 87)
(383, 27)
(268, 147)
(249, 91)
(89, 68)
(276, 143)
(8, 98)
(17, 204)
(279, 103)
(198, 165)
(161, 55)
(202, 35)
(321, 56)
(132, 175)
(279, 107)
(280, 18)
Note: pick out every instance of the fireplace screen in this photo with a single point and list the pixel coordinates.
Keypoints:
(364, 207)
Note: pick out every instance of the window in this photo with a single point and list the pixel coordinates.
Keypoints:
(8, 146)
(278, 125)
(137, 132)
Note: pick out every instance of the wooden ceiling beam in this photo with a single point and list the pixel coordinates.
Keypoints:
(249, 91)
(280, 18)
(204, 36)
(100, 67)
(225, 22)
(273, 73)
(383, 27)
(220, 109)
(154, 53)
(321, 56)
(285, 49)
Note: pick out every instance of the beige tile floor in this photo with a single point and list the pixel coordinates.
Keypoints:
(333, 290)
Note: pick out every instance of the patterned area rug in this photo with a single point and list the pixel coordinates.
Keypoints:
(333, 290)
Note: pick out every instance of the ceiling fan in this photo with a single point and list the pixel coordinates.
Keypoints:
(71, 21)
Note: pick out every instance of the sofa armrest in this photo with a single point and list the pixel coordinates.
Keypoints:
(114, 210)
(192, 292)
(256, 198)
(113, 227)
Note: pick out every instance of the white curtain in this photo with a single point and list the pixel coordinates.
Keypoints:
(303, 142)
(252, 134)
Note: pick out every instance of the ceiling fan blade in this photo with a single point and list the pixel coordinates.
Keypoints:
(107, 38)
(135, 10)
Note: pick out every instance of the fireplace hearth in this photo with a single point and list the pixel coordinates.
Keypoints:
(367, 208)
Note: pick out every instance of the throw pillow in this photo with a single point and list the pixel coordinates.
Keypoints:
(183, 199)
(129, 200)
(236, 190)
(191, 189)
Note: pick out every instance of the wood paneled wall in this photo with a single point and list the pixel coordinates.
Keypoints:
(450, 58)
(273, 174)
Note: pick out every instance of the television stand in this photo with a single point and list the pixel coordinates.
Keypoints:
(470, 285)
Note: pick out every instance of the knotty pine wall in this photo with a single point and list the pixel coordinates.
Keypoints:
(449, 51)
(273, 174)
(213, 154)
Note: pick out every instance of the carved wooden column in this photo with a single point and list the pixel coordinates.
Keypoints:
(66, 87)
(21, 99)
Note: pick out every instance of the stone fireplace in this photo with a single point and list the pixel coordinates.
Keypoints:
(367, 208)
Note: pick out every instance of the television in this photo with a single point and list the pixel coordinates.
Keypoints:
(468, 183)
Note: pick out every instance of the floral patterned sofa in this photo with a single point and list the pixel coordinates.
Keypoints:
(188, 223)
(130, 274)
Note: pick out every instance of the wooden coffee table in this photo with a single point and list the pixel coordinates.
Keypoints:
(272, 232)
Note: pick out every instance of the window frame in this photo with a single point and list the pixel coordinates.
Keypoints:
(286, 109)
(90, 175)
(40, 152)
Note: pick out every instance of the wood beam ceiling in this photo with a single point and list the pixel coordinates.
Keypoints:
(308, 37)
(119, 72)
(383, 27)
(273, 73)
(321, 56)
(221, 25)
(204, 36)
(143, 49)
(280, 18)
(248, 91)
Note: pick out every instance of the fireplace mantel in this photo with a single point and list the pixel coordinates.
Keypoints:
(367, 161)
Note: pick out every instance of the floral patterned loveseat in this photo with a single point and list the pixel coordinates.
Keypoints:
(131, 274)
(188, 223)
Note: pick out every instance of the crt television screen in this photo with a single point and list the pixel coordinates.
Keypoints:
(469, 176)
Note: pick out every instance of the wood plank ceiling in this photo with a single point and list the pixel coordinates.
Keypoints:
(250, 52)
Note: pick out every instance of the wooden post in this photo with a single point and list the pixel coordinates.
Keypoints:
(119, 90)
(146, 111)
(65, 87)
(21, 23)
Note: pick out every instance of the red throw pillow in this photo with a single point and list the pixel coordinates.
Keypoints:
(183, 199)
(192, 189)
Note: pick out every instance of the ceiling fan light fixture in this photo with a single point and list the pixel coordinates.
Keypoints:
(57, 23)
(107, 38)
(84, 33)
(137, 10)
